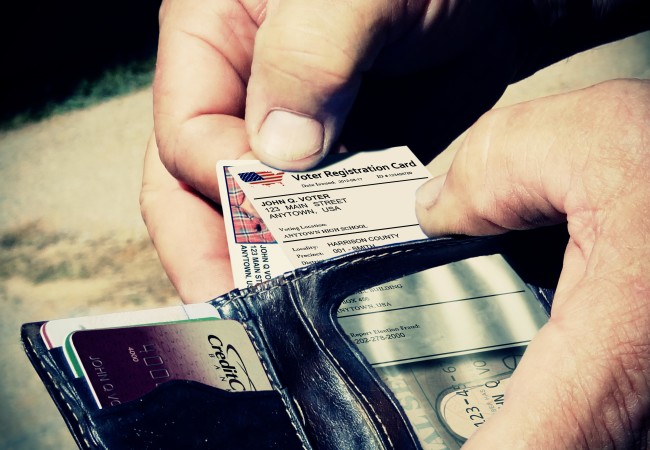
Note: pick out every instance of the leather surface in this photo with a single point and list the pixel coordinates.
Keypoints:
(177, 414)
(326, 396)
(342, 401)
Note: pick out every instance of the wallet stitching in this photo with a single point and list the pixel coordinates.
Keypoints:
(259, 355)
(349, 379)
(266, 369)
(59, 391)
(286, 407)
(354, 261)
(549, 304)
(298, 277)
(298, 274)
(356, 388)
(286, 281)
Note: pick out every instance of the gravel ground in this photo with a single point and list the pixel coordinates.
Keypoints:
(71, 237)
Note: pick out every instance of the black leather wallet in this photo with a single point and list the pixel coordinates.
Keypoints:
(326, 396)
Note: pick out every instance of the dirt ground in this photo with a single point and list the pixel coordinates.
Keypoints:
(71, 238)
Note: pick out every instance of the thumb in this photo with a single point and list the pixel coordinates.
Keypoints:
(307, 64)
(511, 172)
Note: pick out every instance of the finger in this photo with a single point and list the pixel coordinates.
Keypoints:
(585, 374)
(572, 389)
(204, 55)
(536, 164)
(188, 233)
(307, 66)
(511, 172)
(581, 156)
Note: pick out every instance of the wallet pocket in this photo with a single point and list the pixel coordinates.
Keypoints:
(188, 414)
(331, 397)
(176, 414)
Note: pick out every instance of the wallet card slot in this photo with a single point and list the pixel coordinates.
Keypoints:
(58, 383)
(189, 414)
(79, 386)
(292, 324)
(305, 303)
(176, 414)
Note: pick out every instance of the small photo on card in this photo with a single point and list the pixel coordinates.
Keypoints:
(255, 256)
(248, 226)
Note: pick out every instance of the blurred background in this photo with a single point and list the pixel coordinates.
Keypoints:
(75, 115)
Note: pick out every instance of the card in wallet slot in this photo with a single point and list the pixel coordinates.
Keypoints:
(122, 364)
(325, 395)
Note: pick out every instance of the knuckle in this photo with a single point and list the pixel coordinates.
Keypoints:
(313, 60)
(486, 210)
(479, 161)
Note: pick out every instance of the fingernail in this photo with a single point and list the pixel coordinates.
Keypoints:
(289, 136)
(428, 193)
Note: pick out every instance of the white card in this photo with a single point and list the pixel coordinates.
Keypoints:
(55, 332)
(473, 305)
(353, 201)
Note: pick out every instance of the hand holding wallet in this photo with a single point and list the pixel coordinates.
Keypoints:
(325, 394)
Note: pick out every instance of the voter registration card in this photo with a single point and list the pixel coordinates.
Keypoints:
(122, 364)
(352, 201)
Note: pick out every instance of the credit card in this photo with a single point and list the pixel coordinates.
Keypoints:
(122, 364)
(55, 332)
(71, 356)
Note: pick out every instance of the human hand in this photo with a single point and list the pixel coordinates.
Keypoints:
(362, 74)
(221, 62)
(187, 231)
(582, 157)
(204, 88)
(422, 70)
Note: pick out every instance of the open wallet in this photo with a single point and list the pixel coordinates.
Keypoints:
(325, 394)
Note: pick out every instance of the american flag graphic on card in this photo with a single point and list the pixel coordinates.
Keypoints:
(265, 178)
